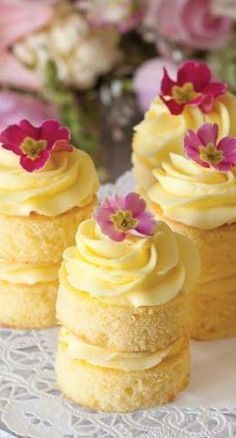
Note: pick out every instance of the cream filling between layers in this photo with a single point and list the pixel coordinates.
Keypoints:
(79, 350)
(68, 180)
(162, 132)
(135, 272)
(194, 195)
(24, 273)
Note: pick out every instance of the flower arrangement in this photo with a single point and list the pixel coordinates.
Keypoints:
(97, 64)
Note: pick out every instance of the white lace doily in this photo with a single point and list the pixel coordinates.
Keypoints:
(32, 407)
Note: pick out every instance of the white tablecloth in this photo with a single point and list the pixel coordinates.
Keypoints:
(32, 406)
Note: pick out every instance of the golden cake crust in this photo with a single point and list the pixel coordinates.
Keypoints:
(37, 238)
(122, 391)
(122, 328)
(216, 247)
(212, 316)
(28, 306)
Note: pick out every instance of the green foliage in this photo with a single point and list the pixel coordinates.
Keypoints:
(69, 110)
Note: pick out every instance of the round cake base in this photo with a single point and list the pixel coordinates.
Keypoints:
(40, 239)
(28, 306)
(121, 328)
(212, 315)
(122, 391)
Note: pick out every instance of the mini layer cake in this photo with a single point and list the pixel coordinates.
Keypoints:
(122, 302)
(162, 131)
(196, 196)
(47, 188)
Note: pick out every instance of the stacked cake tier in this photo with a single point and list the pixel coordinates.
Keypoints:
(40, 210)
(184, 156)
(122, 305)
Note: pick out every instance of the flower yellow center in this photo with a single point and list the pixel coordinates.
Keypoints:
(210, 154)
(124, 220)
(33, 148)
(185, 93)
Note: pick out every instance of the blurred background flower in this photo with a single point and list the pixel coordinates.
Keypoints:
(97, 64)
(15, 106)
(125, 14)
(188, 22)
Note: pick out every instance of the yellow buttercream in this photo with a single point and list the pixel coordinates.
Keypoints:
(98, 356)
(162, 132)
(68, 180)
(137, 271)
(193, 195)
(27, 273)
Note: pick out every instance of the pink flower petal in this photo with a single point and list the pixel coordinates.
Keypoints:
(53, 131)
(224, 166)
(174, 107)
(196, 101)
(134, 203)
(215, 88)
(109, 230)
(114, 234)
(207, 103)
(208, 133)
(166, 84)
(228, 146)
(29, 130)
(11, 138)
(192, 145)
(192, 140)
(32, 165)
(116, 202)
(147, 224)
(194, 72)
(102, 214)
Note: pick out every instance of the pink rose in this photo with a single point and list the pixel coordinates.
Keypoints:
(189, 22)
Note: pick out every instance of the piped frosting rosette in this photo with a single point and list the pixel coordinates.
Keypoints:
(138, 272)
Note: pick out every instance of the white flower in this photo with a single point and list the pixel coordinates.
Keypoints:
(80, 53)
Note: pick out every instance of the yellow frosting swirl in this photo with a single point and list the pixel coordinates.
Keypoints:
(27, 273)
(162, 132)
(194, 195)
(137, 271)
(98, 356)
(68, 180)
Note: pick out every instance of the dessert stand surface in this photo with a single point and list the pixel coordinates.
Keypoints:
(32, 406)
